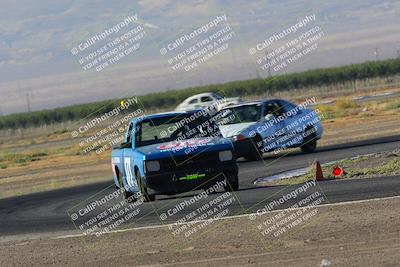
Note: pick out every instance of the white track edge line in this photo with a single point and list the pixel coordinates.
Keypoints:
(228, 217)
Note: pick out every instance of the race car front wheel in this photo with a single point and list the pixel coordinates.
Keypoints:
(255, 152)
(232, 185)
(128, 196)
(309, 140)
(143, 189)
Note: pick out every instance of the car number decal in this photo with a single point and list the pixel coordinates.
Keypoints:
(128, 173)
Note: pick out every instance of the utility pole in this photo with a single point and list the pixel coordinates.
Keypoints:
(27, 97)
(28, 102)
(268, 62)
(376, 54)
(398, 54)
(257, 73)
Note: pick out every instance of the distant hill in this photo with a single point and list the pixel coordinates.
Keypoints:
(36, 37)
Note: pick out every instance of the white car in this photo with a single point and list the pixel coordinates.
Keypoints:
(205, 100)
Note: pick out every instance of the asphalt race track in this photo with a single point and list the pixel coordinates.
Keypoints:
(47, 212)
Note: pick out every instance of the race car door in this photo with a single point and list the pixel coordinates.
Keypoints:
(294, 129)
(275, 133)
(128, 162)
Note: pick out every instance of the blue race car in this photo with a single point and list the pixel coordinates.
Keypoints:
(169, 153)
(269, 125)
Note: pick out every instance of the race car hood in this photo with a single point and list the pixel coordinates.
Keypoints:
(184, 147)
(230, 130)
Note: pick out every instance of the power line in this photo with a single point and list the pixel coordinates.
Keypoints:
(28, 102)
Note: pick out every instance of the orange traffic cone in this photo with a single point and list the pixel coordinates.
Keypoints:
(319, 176)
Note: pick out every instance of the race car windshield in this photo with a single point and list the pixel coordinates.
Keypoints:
(239, 114)
(176, 128)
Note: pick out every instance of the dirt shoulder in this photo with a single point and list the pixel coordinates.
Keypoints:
(354, 234)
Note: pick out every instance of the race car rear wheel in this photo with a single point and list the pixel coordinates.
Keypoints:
(310, 140)
(232, 185)
(143, 189)
(255, 152)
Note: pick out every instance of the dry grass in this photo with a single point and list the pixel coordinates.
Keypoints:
(47, 158)
(367, 166)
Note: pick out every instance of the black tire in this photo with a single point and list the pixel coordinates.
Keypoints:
(310, 140)
(232, 185)
(128, 196)
(255, 152)
(143, 189)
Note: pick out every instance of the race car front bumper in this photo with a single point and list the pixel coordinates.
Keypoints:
(177, 181)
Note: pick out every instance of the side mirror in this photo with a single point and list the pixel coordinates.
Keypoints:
(126, 145)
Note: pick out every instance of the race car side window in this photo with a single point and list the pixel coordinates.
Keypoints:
(268, 109)
(193, 101)
(273, 107)
(206, 99)
(129, 135)
(287, 106)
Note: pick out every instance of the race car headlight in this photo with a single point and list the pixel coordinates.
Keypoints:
(239, 137)
(225, 155)
(152, 166)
